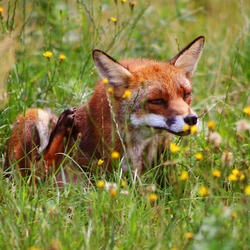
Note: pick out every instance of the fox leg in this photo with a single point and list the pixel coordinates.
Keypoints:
(58, 139)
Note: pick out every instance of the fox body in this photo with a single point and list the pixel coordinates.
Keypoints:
(134, 104)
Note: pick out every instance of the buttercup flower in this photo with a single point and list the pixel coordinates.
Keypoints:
(234, 215)
(115, 155)
(100, 162)
(186, 128)
(184, 175)
(194, 129)
(189, 236)
(216, 173)
(100, 184)
(152, 197)
(113, 19)
(48, 54)
(199, 157)
(124, 184)
(105, 81)
(110, 90)
(126, 94)
(113, 192)
(232, 177)
(247, 190)
(1, 11)
(246, 110)
(204, 191)
(211, 125)
(174, 148)
(235, 171)
(62, 57)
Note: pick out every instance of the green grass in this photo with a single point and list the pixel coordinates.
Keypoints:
(80, 217)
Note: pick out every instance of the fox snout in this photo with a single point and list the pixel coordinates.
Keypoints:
(175, 124)
(191, 119)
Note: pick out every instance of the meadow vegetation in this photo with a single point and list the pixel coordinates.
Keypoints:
(45, 49)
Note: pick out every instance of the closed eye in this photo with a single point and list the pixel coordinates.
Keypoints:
(157, 101)
(187, 95)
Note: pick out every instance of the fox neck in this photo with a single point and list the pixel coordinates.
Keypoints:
(112, 128)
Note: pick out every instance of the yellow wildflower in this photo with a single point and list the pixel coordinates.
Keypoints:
(110, 90)
(199, 156)
(204, 191)
(216, 173)
(234, 215)
(113, 192)
(126, 94)
(247, 190)
(194, 129)
(189, 236)
(115, 155)
(105, 81)
(62, 57)
(186, 128)
(100, 184)
(211, 125)
(152, 197)
(242, 177)
(123, 1)
(113, 19)
(100, 162)
(1, 11)
(124, 184)
(236, 172)
(174, 148)
(48, 54)
(232, 177)
(34, 248)
(246, 110)
(184, 175)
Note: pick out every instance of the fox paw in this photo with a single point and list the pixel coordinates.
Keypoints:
(66, 119)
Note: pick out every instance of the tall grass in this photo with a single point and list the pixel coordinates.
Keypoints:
(206, 204)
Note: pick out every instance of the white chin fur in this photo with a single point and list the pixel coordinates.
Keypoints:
(158, 121)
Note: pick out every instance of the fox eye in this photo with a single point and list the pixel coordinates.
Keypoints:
(187, 95)
(157, 101)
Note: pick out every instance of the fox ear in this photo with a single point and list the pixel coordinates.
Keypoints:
(109, 68)
(188, 58)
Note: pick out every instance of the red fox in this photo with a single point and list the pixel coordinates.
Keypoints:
(134, 103)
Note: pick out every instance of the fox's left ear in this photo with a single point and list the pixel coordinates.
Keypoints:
(188, 58)
(109, 68)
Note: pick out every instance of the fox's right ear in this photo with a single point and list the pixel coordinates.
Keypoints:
(188, 58)
(109, 68)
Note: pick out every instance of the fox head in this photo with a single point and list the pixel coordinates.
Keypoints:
(159, 92)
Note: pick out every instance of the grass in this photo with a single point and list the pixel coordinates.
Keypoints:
(201, 208)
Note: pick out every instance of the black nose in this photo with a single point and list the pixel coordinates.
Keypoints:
(191, 119)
